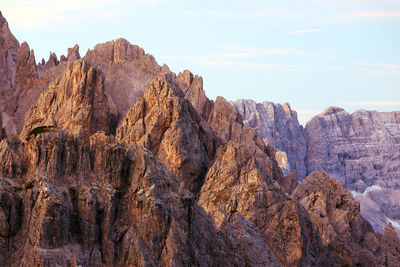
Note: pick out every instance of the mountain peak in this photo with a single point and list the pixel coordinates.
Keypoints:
(2, 20)
(73, 53)
(331, 110)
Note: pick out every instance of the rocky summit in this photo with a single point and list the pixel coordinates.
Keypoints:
(112, 160)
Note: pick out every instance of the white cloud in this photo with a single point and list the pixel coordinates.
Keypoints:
(62, 14)
(236, 55)
(357, 3)
(375, 103)
(256, 52)
(248, 66)
(306, 31)
(370, 68)
(241, 58)
(44, 13)
(374, 14)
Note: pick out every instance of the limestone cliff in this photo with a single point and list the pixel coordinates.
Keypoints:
(362, 150)
(278, 125)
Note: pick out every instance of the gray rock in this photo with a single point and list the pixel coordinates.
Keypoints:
(362, 150)
(278, 125)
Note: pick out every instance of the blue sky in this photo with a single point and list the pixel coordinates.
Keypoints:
(312, 54)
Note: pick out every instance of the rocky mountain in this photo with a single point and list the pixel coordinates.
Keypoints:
(361, 150)
(120, 162)
(75, 100)
(278, 125)
(127, 70)
(166, 123)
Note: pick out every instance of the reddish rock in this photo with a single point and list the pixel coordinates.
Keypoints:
(289, 182)
(26, 74)
(127, 71)
(9, 47)
(52, 61)
(167, 124)
(192, 87)
(336, 216)
(72, 194)
(362, 151)
(73, 53)
(388, 251)
(76, 102)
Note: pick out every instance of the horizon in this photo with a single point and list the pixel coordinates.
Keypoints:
(312, 55)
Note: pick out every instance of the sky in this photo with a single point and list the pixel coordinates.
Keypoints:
(309, 53)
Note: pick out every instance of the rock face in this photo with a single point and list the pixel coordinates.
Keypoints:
(278, 125)
(242, 182)
(336, 215)
(192, 87)
(127, 70)
(69, 201)
(21, 82)
(75, 100)
(389, 247)
(167, 124)
(73, 53)
(26, 74)
(101, 204)
(362, 150)
(9, 47)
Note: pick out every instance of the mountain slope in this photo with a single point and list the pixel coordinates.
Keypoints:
(185, 181)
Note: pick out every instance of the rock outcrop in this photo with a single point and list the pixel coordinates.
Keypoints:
(192, 87)
(242, 183)
(336, 216)
(388, 251)
(167, 124)
(362, 150)
(26, 77)
(73, 53)
(52, 61)
(21, 80)
(71, 102)
(278, 125)
(26, 74)
(103, 204)
(127, 71)
(9, 47)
